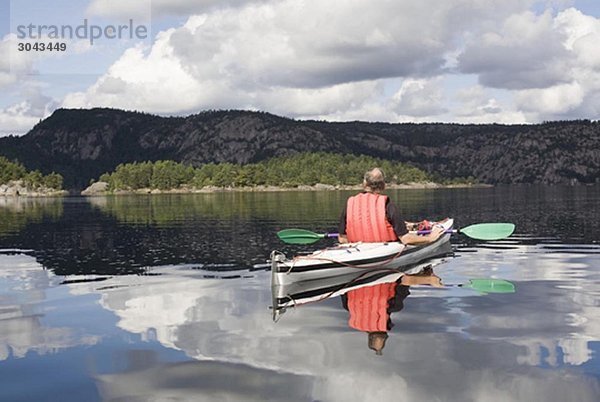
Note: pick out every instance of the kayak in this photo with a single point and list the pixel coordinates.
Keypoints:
(348, 259)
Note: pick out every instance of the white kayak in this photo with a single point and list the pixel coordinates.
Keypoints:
(346, 259)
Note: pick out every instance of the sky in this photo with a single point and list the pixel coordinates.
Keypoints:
(464, 61)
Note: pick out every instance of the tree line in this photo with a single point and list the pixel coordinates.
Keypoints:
(288, 171)
(13, 171)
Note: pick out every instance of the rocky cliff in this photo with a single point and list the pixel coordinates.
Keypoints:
(82, 144)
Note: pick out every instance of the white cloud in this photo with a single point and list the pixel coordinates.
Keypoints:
(297, 59)
(334, 60)
(476, 104)
(527, 52)
(550, 63)
(319, 101)
(154, 83)
(20, 117)
(13, 64)
(554, 100)
(19, 75)
(419, 98)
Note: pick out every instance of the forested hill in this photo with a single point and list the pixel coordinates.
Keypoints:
(83, 144)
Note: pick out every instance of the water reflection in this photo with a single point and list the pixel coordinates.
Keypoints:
(125, 234)
(177, 303)
(24, 288)
(474, 344)
(474, 341)
(170, 210)
(206, 381)
(87, 241)
(370, 297)
(17, 212)
(370, 307)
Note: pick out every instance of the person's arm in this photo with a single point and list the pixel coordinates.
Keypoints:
(412, 238)
(391, 213)
(342, 238)
(401, 228)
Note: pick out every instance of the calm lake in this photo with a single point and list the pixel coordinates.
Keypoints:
(167, 298)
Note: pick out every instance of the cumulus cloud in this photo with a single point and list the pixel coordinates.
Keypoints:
(527, 52)
(13, 64)
(135, 80)
(18, 75)
(579, 95)
(419, 98)
(309, 59)
(20, 117)
(551, 63)
(554, 100)
(476, 104)
(339, 60)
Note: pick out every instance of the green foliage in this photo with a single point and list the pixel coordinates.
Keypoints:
(12, 171)
(287, 171)
(158, 175)
(169, 174)
(334, 169)
(33, 179)
(53, 180)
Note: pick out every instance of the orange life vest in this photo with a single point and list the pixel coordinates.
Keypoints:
(366, 220)
(368, 307)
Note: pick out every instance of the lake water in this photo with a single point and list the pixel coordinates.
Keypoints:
(165, 298)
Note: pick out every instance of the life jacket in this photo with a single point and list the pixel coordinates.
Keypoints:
(366, 220)
(368, 307)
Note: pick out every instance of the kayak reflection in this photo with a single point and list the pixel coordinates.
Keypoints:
(297, 293)
(369, 296)
(371, 307)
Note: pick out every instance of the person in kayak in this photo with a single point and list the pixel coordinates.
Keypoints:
(372, 217)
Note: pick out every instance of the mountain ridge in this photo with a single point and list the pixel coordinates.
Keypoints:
(81, 144)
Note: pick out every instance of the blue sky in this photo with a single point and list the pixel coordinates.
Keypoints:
(469, 61)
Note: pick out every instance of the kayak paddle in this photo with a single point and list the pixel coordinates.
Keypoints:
(488, 285)
(302, 236)
(488, 231)
(478, 231)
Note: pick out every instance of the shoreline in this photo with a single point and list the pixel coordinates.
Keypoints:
(266, 189)
(17, 189)
(57, 194)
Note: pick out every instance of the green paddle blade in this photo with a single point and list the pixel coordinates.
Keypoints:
(491, 285)
(489, 231)
(299, 236)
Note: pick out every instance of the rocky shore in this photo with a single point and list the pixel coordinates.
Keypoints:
(17, 188)
(101, 188)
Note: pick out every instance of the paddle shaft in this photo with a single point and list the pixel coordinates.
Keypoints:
(419, 232)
